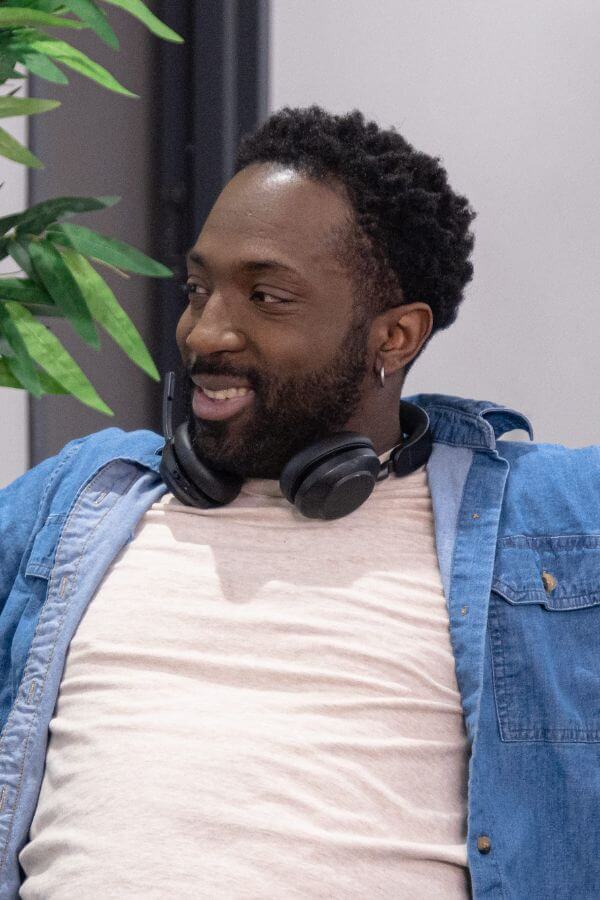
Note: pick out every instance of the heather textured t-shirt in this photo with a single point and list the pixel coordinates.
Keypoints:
(260, 705)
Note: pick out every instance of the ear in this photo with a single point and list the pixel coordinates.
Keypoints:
(399, 334)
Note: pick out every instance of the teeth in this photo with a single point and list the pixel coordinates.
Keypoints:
(226, 395)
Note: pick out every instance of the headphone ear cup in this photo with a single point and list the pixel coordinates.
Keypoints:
(195, 484)
(331, 478)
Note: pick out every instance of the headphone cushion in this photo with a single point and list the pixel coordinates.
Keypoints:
(217, 487)
(338, 486)
(177, 482)
(296, 469)
(332, 477)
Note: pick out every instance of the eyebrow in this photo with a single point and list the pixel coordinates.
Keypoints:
(249, 265)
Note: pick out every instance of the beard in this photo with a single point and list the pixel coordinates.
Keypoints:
(287, 414)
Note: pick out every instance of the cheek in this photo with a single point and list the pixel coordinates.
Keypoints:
(183, 329)
(292, 356)
(304, 348)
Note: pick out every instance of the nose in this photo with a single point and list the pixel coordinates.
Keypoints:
(214, 330)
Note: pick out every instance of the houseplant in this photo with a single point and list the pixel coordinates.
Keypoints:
(58, 257)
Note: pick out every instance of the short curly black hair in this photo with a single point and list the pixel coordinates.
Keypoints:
(410, 239)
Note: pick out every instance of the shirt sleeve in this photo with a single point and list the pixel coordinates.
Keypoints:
(21, 506)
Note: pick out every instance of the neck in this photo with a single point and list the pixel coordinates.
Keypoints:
(380, 423)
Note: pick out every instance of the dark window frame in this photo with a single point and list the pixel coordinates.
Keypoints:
(207, 98)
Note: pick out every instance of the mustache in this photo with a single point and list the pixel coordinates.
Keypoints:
(208, 368)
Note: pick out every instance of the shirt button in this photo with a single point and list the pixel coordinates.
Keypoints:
(484, 845)
(549, 582)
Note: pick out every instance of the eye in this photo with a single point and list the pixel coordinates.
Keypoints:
(189, 288)
(270, 298)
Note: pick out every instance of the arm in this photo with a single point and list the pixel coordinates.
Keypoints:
(21, 505)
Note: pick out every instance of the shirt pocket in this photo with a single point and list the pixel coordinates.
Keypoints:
(544, 628)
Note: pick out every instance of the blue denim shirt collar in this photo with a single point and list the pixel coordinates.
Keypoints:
(475, 424)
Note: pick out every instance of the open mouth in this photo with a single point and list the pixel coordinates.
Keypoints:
(217, 405)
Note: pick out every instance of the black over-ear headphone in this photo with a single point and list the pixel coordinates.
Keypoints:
(326, 480)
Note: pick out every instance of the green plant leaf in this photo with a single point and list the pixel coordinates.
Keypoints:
(49, 6)
(102, 262)
(20, 253)
(24, 106)
(23, 290)
(35, 219)
(30, 294)
(50, 354)
(95, 19)
(7, 222)
(49, 384)
(40, 65)
(21, 18)
(117, 253)
(43, 311)
(105, 309)
(21, 364)
(76, 60)
(7, 379)
(153, 23)
(38, 309)
(12, 149)
(63, 288)
(8, 60)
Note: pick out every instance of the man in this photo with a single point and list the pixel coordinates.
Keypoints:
(237, 700)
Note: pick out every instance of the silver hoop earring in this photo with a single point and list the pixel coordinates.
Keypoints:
(382, 375)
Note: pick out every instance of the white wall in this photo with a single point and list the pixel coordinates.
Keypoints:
(508, 95)
(14, 408)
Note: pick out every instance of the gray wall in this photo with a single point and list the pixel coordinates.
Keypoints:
(14, 404)
(508, 94)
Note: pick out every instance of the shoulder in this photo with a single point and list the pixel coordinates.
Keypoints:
(115, 443)
(553, 467)
(551, 487)
(89, 454)
(59, 477)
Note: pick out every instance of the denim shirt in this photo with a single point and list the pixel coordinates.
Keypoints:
(517, 529)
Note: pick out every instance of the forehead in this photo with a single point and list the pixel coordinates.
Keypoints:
(268, 211)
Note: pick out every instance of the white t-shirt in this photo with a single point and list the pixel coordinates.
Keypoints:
(260, 705)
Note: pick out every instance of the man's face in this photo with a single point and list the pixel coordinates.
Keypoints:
(272, 311)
